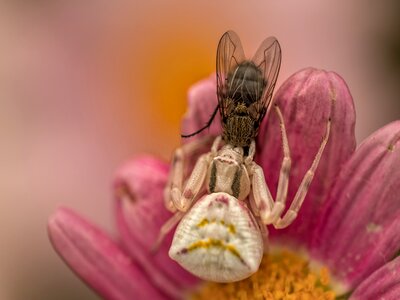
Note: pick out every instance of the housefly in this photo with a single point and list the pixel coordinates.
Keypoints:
(244, 88)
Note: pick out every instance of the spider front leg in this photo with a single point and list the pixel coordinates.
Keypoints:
(301, 193)
(194, 183)
(175, 200)
(183, 201)
(283, 183)
(174, 186)
(269, 209)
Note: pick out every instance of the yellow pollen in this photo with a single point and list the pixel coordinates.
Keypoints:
(281, 276)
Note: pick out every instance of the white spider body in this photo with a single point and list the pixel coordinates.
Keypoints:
(219, 238)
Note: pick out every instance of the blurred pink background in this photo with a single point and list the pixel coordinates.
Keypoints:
(86, 85)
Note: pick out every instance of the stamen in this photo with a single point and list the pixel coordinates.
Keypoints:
(282, 275)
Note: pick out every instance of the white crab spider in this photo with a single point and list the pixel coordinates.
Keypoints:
(221, 236)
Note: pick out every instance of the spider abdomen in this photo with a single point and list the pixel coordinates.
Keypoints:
(219, 240)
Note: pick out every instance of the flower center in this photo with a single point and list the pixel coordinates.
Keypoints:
(282, 275)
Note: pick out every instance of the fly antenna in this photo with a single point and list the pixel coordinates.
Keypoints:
(206, 126)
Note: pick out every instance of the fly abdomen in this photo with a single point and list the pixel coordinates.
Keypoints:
(246, 83)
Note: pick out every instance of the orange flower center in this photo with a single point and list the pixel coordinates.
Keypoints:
(282, 275)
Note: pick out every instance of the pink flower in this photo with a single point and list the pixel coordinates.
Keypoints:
(350, 220)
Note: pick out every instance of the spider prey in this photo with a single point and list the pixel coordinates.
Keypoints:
(221, 235)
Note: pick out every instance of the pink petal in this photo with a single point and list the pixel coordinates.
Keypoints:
(202, 98)
(97, 259)
(307, 99)
(140, 214)
(382, 284)
(358, 230)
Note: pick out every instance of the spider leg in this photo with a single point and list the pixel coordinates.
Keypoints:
(165, 229)
(269, 209)
(256, 213)
(262, 198)
(252, 151)
(283, 183)
(193, 185)
(264, 233)
(301, 193)
(174, 186)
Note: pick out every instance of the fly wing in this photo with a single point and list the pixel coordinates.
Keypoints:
(229, 55)
(268, 59)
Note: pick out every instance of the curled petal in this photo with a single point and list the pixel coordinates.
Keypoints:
(358, 230)
(97, 259)
(140, 213)
(382, 284)
(202, 98)
(307, 100)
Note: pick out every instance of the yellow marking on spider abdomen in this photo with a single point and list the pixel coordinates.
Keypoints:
(203, 223)
(231, 228)
(206, 244)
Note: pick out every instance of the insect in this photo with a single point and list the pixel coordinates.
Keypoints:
(225, 204)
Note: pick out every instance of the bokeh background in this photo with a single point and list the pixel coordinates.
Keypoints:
(84, 85)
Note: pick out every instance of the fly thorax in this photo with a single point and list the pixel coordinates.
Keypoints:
(239, 130)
